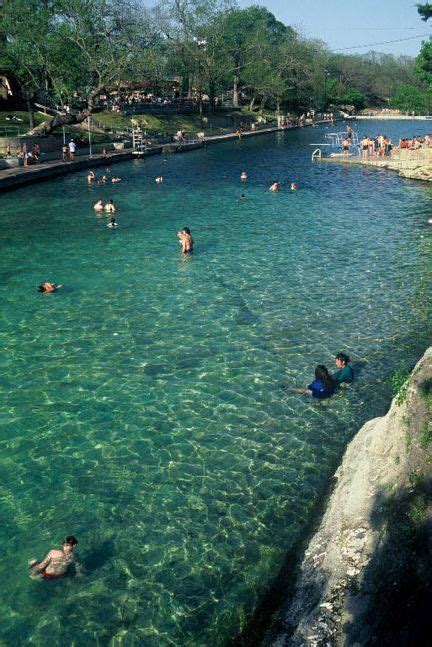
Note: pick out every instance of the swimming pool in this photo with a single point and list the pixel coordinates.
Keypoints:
(144, 404)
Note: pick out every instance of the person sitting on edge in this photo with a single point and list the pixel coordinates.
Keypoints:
(110, 207)
(48, 287)
(323, 385)
(112, 223)
(275, 186)
(345, 373)
(186, 240)
(98, 206)
(56, 563)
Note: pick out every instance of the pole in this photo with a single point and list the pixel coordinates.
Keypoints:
(89, 135)
(64, 135)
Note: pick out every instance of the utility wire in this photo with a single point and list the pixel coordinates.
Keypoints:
(384, 42)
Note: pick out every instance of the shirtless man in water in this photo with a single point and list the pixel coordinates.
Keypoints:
(186, 240)
(56, 563)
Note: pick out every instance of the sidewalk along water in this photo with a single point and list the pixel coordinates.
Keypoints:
(144, 408)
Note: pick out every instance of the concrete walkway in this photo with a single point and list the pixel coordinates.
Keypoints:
(15, 177)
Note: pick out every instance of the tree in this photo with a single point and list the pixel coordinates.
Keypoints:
(86, 47)
(425, 10)
(409, 98)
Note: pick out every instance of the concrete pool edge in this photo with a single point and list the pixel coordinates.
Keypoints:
(15, 178)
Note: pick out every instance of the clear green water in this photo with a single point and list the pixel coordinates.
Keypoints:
(142, 406)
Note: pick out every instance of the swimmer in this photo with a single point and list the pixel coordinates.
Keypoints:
(116, 179)
(112, 223)
(242, 197)
(90, 177)
(430, 221)
(56, 563)
(98, 206)
(345, 374)
(275, 186)
(159, 179)
(102, 179)
(293, 186)
(49, 287)
(323, 385)
(186, 240)
(109, 207)
(243, 176)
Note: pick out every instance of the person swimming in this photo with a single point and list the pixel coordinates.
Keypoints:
(186, 240)
(56, 563)
(98, 206)
(293, 186)
(116, 179)
(345, 374)
(109, 207)
(159, 179)
(91, 177)
(275, 186)
(112, 223)
(242, 197)
(49, 287)
(323, 385)
(244, 175)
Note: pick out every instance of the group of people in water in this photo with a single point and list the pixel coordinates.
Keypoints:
(93, 179)
(325, 385)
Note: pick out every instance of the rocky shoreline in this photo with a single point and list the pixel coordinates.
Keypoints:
(412, 164)
(366, 576)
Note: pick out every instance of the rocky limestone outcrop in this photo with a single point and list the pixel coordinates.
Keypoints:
(371, 553)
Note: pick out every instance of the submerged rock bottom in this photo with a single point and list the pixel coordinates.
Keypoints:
(366, 577)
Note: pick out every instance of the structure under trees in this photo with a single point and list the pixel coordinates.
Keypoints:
(66, 53)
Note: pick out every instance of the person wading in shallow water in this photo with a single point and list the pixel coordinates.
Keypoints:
(186, 240)
(56, 563)
(345, 374)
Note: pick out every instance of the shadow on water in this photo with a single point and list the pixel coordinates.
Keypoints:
(93, 560)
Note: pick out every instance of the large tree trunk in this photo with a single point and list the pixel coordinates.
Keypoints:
(252, 103)
(262, 105)
(69, 119)
(30, 110)
(235, 93)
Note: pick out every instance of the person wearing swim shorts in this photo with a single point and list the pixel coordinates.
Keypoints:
(56, 563)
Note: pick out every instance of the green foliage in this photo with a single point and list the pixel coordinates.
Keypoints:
(355, 97)
(425, 10)
(400, 380)
(409, 98)
(418, 509)
(426, 435)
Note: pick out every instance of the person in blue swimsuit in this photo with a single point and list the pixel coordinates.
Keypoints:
(345, 374)
(323, 385)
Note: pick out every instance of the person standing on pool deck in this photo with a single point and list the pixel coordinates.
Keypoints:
(72, 150)
(56, 563)
(345, 373)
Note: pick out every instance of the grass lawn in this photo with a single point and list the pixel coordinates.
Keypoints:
(170, 123)
(13, 126)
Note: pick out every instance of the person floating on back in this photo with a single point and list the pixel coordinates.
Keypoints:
(323, 385)
(48, 287)
(345, 374)
(56, 563)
